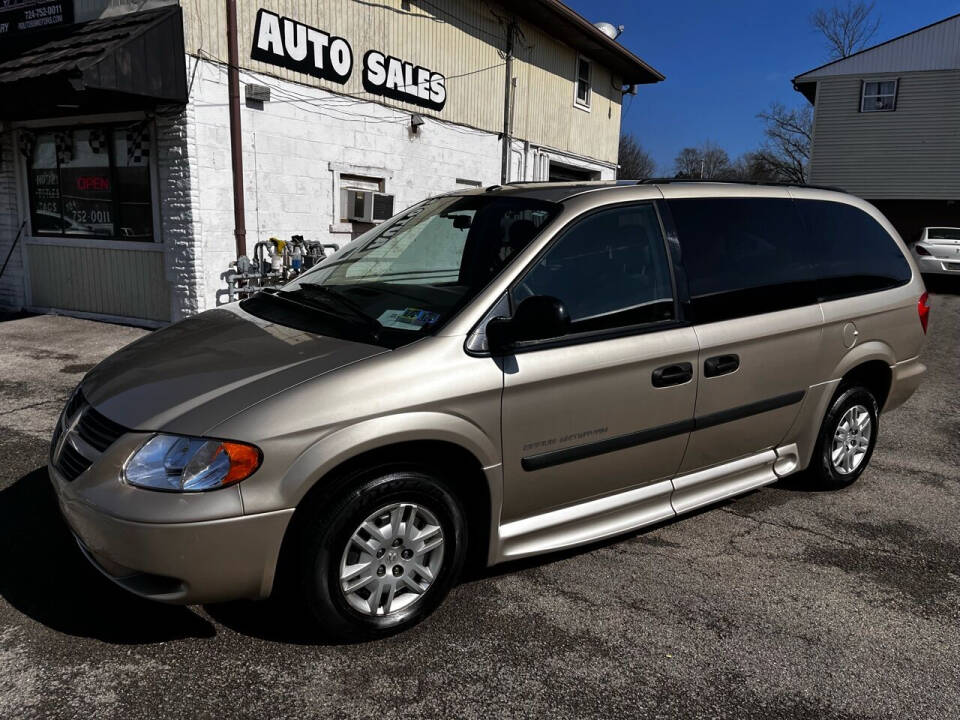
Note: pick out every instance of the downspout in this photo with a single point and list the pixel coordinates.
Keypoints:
(507, 106)
(236, 145)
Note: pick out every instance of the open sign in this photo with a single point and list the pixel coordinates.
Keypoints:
(92, 182)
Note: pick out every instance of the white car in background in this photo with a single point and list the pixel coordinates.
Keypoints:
(938, 250)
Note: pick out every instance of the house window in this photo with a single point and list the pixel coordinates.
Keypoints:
(879, 96)
(582, 90)
(92, 182)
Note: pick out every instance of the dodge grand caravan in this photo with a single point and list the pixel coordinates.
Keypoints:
(490, 375)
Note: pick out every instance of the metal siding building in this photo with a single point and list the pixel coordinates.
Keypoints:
(115, 151)
(904, 157)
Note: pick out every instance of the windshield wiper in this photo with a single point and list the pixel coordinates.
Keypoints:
(340, 300)
(286, 296)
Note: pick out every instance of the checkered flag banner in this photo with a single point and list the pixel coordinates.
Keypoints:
(98, 141)
(26, 141)
(64, 141)
(138, 144)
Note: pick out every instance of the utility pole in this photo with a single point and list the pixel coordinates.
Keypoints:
(236, 144)
(507, 105)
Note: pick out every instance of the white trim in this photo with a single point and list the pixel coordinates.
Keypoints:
(878, 83)
(577, 103)
(94, 243)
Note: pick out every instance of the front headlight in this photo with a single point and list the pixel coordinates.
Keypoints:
(189, 464)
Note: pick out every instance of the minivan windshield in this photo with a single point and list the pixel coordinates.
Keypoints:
(408, 276)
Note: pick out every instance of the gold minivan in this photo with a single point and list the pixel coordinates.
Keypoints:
(491, 375)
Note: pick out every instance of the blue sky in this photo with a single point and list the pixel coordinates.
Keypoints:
(726, 61)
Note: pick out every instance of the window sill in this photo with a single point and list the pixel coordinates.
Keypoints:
(341, 227)
(106, 244)
(581, 107)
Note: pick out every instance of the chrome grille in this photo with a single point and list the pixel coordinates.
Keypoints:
(80, 437)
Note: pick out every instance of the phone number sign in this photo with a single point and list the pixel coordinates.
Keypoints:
(24, 15)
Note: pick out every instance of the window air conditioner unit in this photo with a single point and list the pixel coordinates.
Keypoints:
(366, 206)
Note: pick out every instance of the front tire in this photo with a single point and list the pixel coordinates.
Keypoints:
(382, 555)
(847, 438)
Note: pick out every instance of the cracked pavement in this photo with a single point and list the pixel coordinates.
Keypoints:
(780, 603)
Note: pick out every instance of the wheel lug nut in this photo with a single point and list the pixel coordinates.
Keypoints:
(380, 552)
(397, 542)
(407, 554)
(397, 571)
(381, 571)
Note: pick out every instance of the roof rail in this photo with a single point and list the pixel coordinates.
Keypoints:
(774, 183)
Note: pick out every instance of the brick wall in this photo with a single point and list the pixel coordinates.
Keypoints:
(11, 284)
(178, 199)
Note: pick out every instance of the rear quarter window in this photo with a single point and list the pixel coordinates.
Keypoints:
(854, 253)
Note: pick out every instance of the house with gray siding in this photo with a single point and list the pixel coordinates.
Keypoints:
(887, 126)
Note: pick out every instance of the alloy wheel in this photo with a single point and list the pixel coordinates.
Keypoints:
(391, 559)
(851, 440)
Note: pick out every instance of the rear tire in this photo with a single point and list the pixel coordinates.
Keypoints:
(847, 438)
(382, 554)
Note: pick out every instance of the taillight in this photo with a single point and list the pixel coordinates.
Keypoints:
(923, 310)
(921, 250)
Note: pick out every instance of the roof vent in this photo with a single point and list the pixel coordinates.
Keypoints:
(609, 29)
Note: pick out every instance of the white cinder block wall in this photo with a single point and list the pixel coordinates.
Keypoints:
(294, 148)
(11, 283)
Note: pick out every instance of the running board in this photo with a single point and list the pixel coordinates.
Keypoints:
(723, 481)
(616, 514)
(587, 521)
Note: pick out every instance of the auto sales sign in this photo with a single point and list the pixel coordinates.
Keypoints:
(291, 44)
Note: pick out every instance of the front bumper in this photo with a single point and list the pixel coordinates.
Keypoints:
(177, 562)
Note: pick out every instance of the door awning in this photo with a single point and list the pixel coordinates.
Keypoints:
(125, 62)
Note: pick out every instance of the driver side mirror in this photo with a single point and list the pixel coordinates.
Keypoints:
(539, 317)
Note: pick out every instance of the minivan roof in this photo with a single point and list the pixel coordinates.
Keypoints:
(560, 191)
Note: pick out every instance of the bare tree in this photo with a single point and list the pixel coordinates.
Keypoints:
(753, 166)
(846, 28)
(707, 161)
(688, 163)
(635, 162)
(789, 135)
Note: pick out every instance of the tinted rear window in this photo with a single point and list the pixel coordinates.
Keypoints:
(854, 253)
(743, 256)
(943, 234)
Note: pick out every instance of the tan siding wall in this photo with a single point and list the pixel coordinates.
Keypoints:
(913, 152)
(462, 38)
(127, 283)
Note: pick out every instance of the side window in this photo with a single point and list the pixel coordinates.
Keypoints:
(610, 270)
(854, 253)
(743, 256)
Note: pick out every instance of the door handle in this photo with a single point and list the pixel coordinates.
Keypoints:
(720, 365)
(672, 375)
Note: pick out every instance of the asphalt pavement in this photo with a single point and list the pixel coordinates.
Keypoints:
(781, 603)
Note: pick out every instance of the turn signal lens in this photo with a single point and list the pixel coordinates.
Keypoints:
(186, 464)
(923, 310)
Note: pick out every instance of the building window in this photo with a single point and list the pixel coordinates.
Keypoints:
(582, 89)
(91, 182)
(879, 96)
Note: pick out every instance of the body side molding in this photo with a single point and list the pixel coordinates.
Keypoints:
(622, 442)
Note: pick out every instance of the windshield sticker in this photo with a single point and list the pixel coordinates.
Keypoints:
(408, 319)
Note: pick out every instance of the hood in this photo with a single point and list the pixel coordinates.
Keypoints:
(194, 374)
